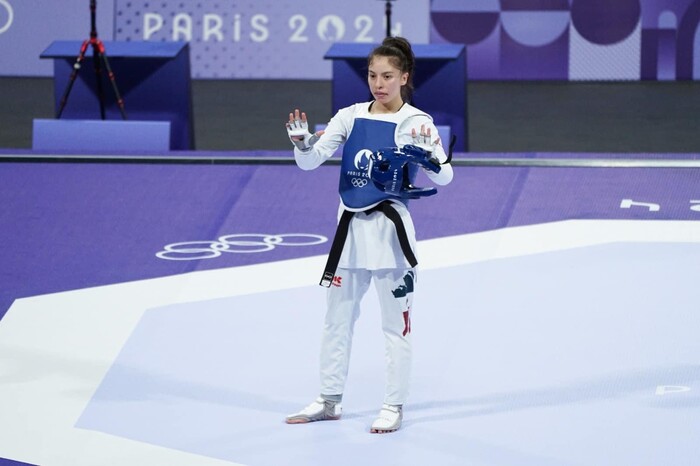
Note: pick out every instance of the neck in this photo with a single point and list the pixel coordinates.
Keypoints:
(391, 107)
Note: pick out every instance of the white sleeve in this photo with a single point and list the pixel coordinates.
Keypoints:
(446, 173)
(335, 134)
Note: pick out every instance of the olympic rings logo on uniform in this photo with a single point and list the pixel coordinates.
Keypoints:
(10, 16)
(359, 182)
(241, 243)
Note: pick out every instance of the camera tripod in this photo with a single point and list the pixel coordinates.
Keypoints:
(99, 58)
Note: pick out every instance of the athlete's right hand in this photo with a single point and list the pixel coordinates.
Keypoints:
(298, 131)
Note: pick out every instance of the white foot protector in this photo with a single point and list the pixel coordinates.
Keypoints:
(319, 410)
(389, 420)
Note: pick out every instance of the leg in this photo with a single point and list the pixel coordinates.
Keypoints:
(395, 290)
(73, 75)
(98, 76)
(343, 309)
(112, 80)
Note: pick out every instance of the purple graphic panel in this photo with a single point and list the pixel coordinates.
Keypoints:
(572, 39)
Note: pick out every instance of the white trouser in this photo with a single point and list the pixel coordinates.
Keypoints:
(395, 290)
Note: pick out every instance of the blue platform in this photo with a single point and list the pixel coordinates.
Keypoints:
(101, 135)
(153, 79)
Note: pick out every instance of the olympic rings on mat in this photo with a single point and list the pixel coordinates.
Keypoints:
(10, 15)
(240, 243)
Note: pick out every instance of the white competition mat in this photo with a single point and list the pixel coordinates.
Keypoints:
(566, 343)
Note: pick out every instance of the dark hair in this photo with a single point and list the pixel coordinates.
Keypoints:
(400, 54)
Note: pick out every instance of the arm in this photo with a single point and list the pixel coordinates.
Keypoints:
(424, 134)
(446, 173)
(311, 150)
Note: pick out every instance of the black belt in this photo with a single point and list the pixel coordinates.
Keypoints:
(341, 235)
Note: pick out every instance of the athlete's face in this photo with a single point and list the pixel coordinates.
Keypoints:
(385, 81)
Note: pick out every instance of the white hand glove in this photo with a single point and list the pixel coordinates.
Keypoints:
(298, 132)
(424, 139)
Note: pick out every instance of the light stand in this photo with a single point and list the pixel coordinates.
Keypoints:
(98, 56)
(387, 12)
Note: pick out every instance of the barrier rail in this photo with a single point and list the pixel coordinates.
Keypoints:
(267, 160)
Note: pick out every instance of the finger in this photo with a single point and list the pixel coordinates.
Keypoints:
(320, 133)
(413, 132)
(303, 117)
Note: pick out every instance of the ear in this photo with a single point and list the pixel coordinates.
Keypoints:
(404, 78)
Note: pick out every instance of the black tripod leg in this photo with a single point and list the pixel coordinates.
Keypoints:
(71, 80)
(110, 74)
(96, 54)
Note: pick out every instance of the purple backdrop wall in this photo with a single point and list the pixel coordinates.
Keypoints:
(272, 39)
(573, 39)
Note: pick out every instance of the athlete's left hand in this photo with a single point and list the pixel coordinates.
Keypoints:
(423, 139)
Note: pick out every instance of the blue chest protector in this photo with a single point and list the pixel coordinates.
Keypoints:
(356, 187)
(358, 191)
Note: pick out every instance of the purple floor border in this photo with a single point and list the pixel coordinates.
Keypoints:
(6, 462)
(72, 225)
